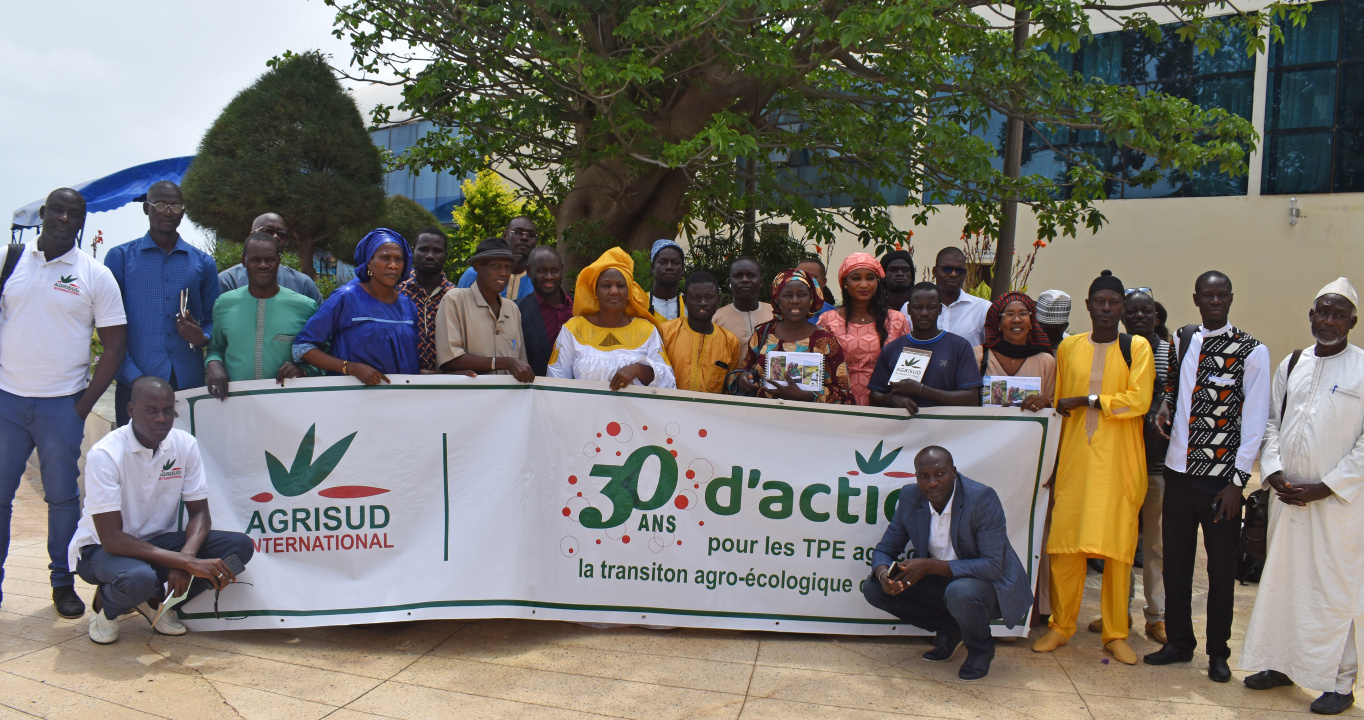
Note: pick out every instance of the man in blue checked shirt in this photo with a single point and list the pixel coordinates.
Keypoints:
(152, 272)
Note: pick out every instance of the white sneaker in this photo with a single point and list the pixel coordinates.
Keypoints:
(103, 631)
(168, 624)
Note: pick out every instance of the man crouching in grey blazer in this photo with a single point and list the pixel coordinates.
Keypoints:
(961, 572)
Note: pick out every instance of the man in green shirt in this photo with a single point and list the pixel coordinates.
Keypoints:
(254, 326)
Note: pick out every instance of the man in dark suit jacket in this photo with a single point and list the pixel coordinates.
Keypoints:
(544, 311)
(962, 572)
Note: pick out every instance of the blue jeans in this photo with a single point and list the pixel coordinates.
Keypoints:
(128, 582)
(941, 604)
(52, 426)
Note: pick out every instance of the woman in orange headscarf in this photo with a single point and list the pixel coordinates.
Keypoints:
(611, 336)
(864, 324)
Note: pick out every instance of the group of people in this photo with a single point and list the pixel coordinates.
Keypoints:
(1160, 436)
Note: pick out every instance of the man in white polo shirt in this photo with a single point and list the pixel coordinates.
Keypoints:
(962, 313)
(53, 301)
(127, 544)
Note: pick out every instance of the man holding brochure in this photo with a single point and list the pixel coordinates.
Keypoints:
(962, 572)
(928, 367)
(126, 544)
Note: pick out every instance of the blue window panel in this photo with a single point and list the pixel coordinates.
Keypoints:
(1303, 99)
(1298, 163)
(1316, 41)
(1349, 176)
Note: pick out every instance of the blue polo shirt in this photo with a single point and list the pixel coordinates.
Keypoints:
(151, 281)
(952, 367)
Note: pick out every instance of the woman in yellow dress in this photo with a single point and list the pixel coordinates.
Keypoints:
(611, 336)
(1101, 468)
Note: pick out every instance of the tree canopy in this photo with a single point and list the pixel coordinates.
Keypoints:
(293, 143)
(402, 215)
(636, 116)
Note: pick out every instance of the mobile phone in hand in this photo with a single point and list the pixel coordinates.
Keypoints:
(235, 564)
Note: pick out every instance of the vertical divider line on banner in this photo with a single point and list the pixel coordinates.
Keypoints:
(445, 465)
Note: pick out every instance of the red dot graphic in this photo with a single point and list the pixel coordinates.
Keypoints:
(674, 452)
(696, 485)
(567, 512)
(617, 453)
(580, 494)
(681, 502)
(670, 441)
(572, 479)
(679, 542)
(613, 429)
(599, 542)
(598, 449)
(598, 434)
(691, 474)
(701, 432)
(570, 551)
(646, 427)
(702, 523)
(625, 539)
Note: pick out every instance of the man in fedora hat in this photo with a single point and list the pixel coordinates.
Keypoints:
(476, 328)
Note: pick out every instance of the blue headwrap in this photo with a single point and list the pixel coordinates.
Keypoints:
(364, 252)
(665, 243)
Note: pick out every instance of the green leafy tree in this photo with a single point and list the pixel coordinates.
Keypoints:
(402, 214)
(489, 204)
(292, 143)
(637, 116)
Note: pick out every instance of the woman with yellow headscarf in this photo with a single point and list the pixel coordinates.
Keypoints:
(611, 336)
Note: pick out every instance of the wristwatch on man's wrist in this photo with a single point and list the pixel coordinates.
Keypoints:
(1094, 401)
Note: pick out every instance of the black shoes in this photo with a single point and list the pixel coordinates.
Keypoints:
(944, 646)
(1267, 680)
(1218, 670)
(1168, 655)
(1332, 703)
(976, 665)
(69, 604)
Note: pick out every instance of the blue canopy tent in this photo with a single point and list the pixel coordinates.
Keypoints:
(109, 192)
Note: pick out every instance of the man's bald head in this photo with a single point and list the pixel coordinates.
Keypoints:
(936, 452)
(271, 224)
(151, 410)
(63, 215)
(67, 195)
(151, 386)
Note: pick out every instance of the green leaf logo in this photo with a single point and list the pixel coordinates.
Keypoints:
(169, 464)
(68, 279)
(876, 464)
(305, 474)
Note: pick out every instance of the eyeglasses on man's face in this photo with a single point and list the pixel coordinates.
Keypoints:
(950, 270)
(523, 232)
(279, 233)
(164, 207)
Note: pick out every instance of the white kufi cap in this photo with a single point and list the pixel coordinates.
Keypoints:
(1340, 286)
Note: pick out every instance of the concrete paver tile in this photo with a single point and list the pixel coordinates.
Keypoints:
(414, 702)
(1129, 709)
(253, 704)
(769, 709)
(294, 680)
(41, 628)
(1182, 683)
(691, 673)
(1015, 664)
(54, 703)
(374, 663)
(573, 692)
(405, 637)
(131, 679)
(912, 696)
(12, 647)
(703, 644)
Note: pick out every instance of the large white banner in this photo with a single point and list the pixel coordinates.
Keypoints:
(451, 497)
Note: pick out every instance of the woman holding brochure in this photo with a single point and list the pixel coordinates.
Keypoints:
(864, 324)
(1015, 359)
(790, 359)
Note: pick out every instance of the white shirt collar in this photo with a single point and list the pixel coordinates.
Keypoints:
(947, 508)
(1214, 333)
(67, 257)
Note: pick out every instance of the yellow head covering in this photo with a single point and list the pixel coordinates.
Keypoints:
(585, 296)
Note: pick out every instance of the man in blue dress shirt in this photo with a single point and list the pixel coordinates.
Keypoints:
(152, 272)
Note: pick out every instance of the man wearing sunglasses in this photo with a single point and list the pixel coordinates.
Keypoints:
(169, 288)
(962, 313)
(522, 236)
(236, 276)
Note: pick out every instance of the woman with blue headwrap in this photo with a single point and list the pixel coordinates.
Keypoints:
(368, 328)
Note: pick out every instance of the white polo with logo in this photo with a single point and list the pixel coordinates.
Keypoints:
(146, 485)
(48, 313)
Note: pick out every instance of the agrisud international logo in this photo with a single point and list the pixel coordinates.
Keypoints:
(67, 284)
(317, 528)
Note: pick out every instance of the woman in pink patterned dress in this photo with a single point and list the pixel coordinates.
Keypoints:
(864, 324)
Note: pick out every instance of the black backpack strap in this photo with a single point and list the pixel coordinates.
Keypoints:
(1125, 345)
(12, 255)
(1283, 407)
(1186, 334)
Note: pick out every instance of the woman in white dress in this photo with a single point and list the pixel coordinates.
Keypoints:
(611, 337)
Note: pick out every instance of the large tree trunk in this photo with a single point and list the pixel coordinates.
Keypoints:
(306, 247)
(1013, 166)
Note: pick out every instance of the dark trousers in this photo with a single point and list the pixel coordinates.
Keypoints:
(942, 604)
(128, 582)
(1188, 506)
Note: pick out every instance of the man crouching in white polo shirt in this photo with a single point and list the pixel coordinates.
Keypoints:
(126, 543)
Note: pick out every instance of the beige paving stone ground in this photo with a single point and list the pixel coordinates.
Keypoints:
(435, 670)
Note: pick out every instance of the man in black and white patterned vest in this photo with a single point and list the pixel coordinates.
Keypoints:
(1219, 384)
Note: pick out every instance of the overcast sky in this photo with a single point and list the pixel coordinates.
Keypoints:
(90, 87)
